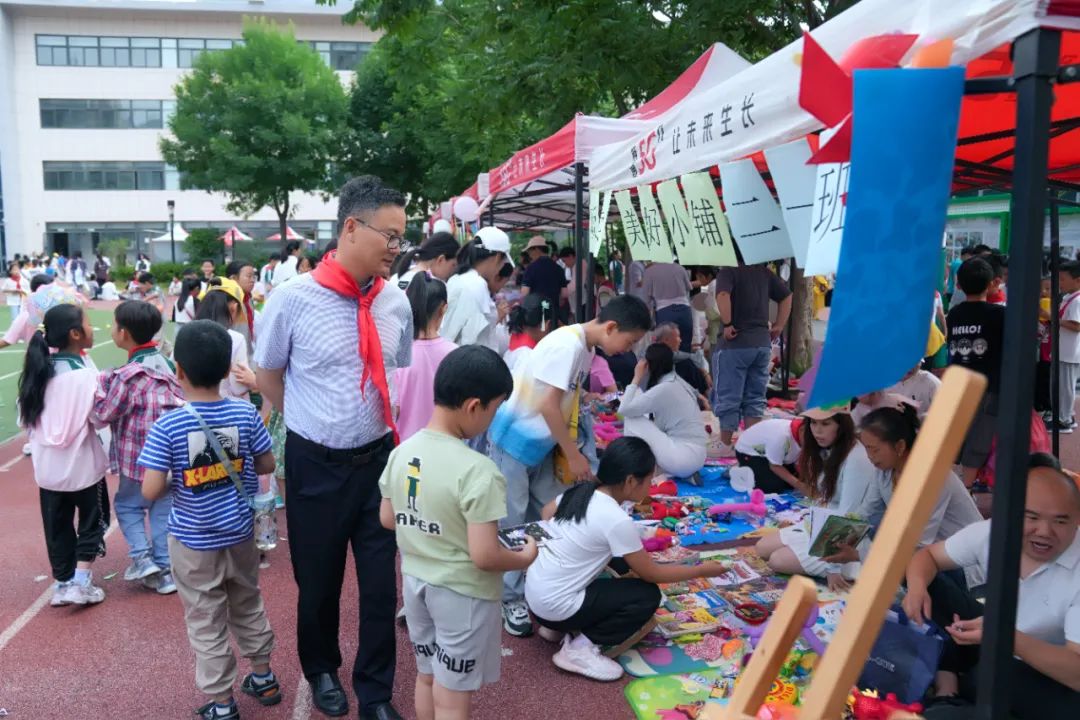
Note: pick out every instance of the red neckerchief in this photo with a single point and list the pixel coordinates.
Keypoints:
(520, 340)
(997, 298)
(249, 310)
(796, 426)
(144, 346)
(332, 276)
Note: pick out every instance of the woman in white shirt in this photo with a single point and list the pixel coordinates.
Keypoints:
(223, 304)
(290, 259)
(838, 474)
(472, 315)
(664, 412)
(572, 603)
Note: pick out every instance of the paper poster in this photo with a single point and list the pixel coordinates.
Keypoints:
(653, 223)
(755, 217)
(885, 281)
(708, 219)
(794, 180)
(636, 239)
(599, 206)
(827, 218)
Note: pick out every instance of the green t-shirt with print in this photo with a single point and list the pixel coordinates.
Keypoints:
(438, 486)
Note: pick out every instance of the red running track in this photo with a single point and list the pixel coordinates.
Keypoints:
(129, 657)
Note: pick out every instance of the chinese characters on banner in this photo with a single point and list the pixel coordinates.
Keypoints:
(599, 206)
(684, 235)
(708, 220)
(754, 215)
(827, 216)
(636, 239)
(794, 181)
(652, 222)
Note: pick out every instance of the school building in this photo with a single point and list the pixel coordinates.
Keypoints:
(984, 219)
(86, 90)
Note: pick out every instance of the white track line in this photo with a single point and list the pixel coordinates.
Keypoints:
(23, 620)
(302, 705)
(12, 462)
(19, 372)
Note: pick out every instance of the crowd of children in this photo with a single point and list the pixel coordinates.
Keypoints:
(491, 406)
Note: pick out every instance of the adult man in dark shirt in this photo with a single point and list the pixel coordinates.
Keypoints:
(543, 275)
(976, 334)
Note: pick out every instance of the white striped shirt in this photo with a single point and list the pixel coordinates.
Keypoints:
(312, 332)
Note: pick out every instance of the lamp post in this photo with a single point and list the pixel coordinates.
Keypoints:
(172, 229)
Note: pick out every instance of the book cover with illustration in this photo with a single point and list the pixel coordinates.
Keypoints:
(513, 537)
(830, 531)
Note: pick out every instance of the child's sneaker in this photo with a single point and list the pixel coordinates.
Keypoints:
(213, 711)
(719, 450)
(141, 567)
(59, 597)
(80, 594)
(579, 655)
(266, 691)
(26, 449)
(166, 585)
(516, 620)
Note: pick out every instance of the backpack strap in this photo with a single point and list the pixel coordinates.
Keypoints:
(222, 456)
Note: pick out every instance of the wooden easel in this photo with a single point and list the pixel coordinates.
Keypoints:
(909, 510)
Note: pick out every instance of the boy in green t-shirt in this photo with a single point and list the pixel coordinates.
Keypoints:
(445, 501)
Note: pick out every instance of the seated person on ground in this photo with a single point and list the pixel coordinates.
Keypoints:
(770, 448)
(670, 335)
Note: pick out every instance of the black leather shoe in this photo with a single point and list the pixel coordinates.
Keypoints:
(327, 694)
(382, 711)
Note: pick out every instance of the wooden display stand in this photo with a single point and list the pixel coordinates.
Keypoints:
(917, 491)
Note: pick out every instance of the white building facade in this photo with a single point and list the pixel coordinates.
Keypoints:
(86, 88)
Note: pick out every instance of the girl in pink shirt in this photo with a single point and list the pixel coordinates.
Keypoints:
(414, 387)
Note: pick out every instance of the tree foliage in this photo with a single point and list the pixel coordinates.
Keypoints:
(258, 121)
(204, 244)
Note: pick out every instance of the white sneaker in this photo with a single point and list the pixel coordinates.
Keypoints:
(552, 636)
(79, 594)
(26, 449)
(140, 568)
(166, 584)
(59, 597)
(578, 655)
(719, 450)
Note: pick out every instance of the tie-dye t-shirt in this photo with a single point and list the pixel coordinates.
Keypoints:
(561, 360)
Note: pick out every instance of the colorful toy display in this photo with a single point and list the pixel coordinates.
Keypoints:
(866, 705)
(756, 506)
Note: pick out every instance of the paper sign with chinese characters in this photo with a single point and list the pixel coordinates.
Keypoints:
(827, 216)
(707, 221)
(599, 206)
(755, 217)
(653, 224)
(794, 181)
(636, 239)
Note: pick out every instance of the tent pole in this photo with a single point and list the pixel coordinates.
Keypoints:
(491, 213)
(580, 248)
(1035, 57)
(1055, 341)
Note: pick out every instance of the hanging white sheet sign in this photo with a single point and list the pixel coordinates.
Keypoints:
(827, 218)
(684, 236)
(794, 181)
(599, 206)
(707, 219)
(636, 240)
(755, 217)
(653, 224)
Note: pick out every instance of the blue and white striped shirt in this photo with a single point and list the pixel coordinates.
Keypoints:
(312, 332)
(208, 513)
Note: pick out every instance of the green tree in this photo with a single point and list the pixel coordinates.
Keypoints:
(257, 122)
(115, 249)
(204, 244)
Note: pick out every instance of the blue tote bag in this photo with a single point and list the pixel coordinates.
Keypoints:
(904, 658)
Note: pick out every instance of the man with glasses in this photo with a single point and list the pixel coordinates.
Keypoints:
(328, 342)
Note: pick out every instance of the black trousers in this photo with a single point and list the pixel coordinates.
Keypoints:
(332, 501)
(66, 544)
(613, 610)
(764, 477)
(1042, 386)
(1033, 695)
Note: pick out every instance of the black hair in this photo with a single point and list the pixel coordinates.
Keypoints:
(967, 252)
(441, 244)
(290, 247)
(78, 254)
(426, 295)
(59, 322)
(145, 277)
(330, 246)
(215, 307)
(893, 425)
(1043, 460)
(204, 352)
(1072, 268)
(39, 280)
(471, 371)
(365, 194)
(208, 260)
(661, 361)
(506, 270)
(974, 276)
(189, 272)
(625, 457)
(233, 268)
(629, 313)
(981, 248)
(141, 319)
(568, 251)
(188, 286)
(471, 254)
(999, 263)
(533, 311)
(312, 259)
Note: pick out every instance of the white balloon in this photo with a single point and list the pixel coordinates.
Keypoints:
(442, 225)
(465, 208)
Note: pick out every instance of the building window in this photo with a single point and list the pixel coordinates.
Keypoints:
(341, 55)
(103, 114)
(109, 176)
(94, 51)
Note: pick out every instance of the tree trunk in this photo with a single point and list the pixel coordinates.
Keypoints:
(802, 330)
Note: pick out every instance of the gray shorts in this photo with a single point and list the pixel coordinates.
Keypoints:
(980, 436)
(456, 638)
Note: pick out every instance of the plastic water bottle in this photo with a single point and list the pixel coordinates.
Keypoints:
(266, 534)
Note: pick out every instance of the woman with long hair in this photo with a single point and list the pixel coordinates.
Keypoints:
(436, 256)
(473, 315)
(290, 259)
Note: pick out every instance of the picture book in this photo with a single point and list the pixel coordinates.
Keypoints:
(683, 622)
(829, 531)
(738, 573)
(675, 554)
(513, 537)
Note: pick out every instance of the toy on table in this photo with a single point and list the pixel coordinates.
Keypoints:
(667, 509)
(867, 706)
(664, 487)
(756, 506)
(658, 543)
(607, 432)
(756, 631)
(752, 613)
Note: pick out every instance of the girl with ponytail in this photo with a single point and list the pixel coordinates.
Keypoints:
(437, 256)
(573, 605)
(56, 400)
(529, 322)
(413, 387)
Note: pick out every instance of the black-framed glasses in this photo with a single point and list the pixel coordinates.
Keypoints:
(393, 242)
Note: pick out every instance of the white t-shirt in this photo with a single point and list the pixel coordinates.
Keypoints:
(9, 287)
(770, 439)
(230, 387)
(286, 270)
(471, 314)
(920, 387)
(556, 581)
(854, 481)
(1069, 343)
(561, 360)
(185, 313)
(1048, 603)
(516, 357)
(954, 511)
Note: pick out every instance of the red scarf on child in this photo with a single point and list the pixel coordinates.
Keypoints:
(332, 276)
(518, 340)
(249, 310)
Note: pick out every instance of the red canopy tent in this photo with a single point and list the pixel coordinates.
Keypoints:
(290, 234)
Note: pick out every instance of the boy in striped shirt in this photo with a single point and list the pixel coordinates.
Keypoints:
(215, 562)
